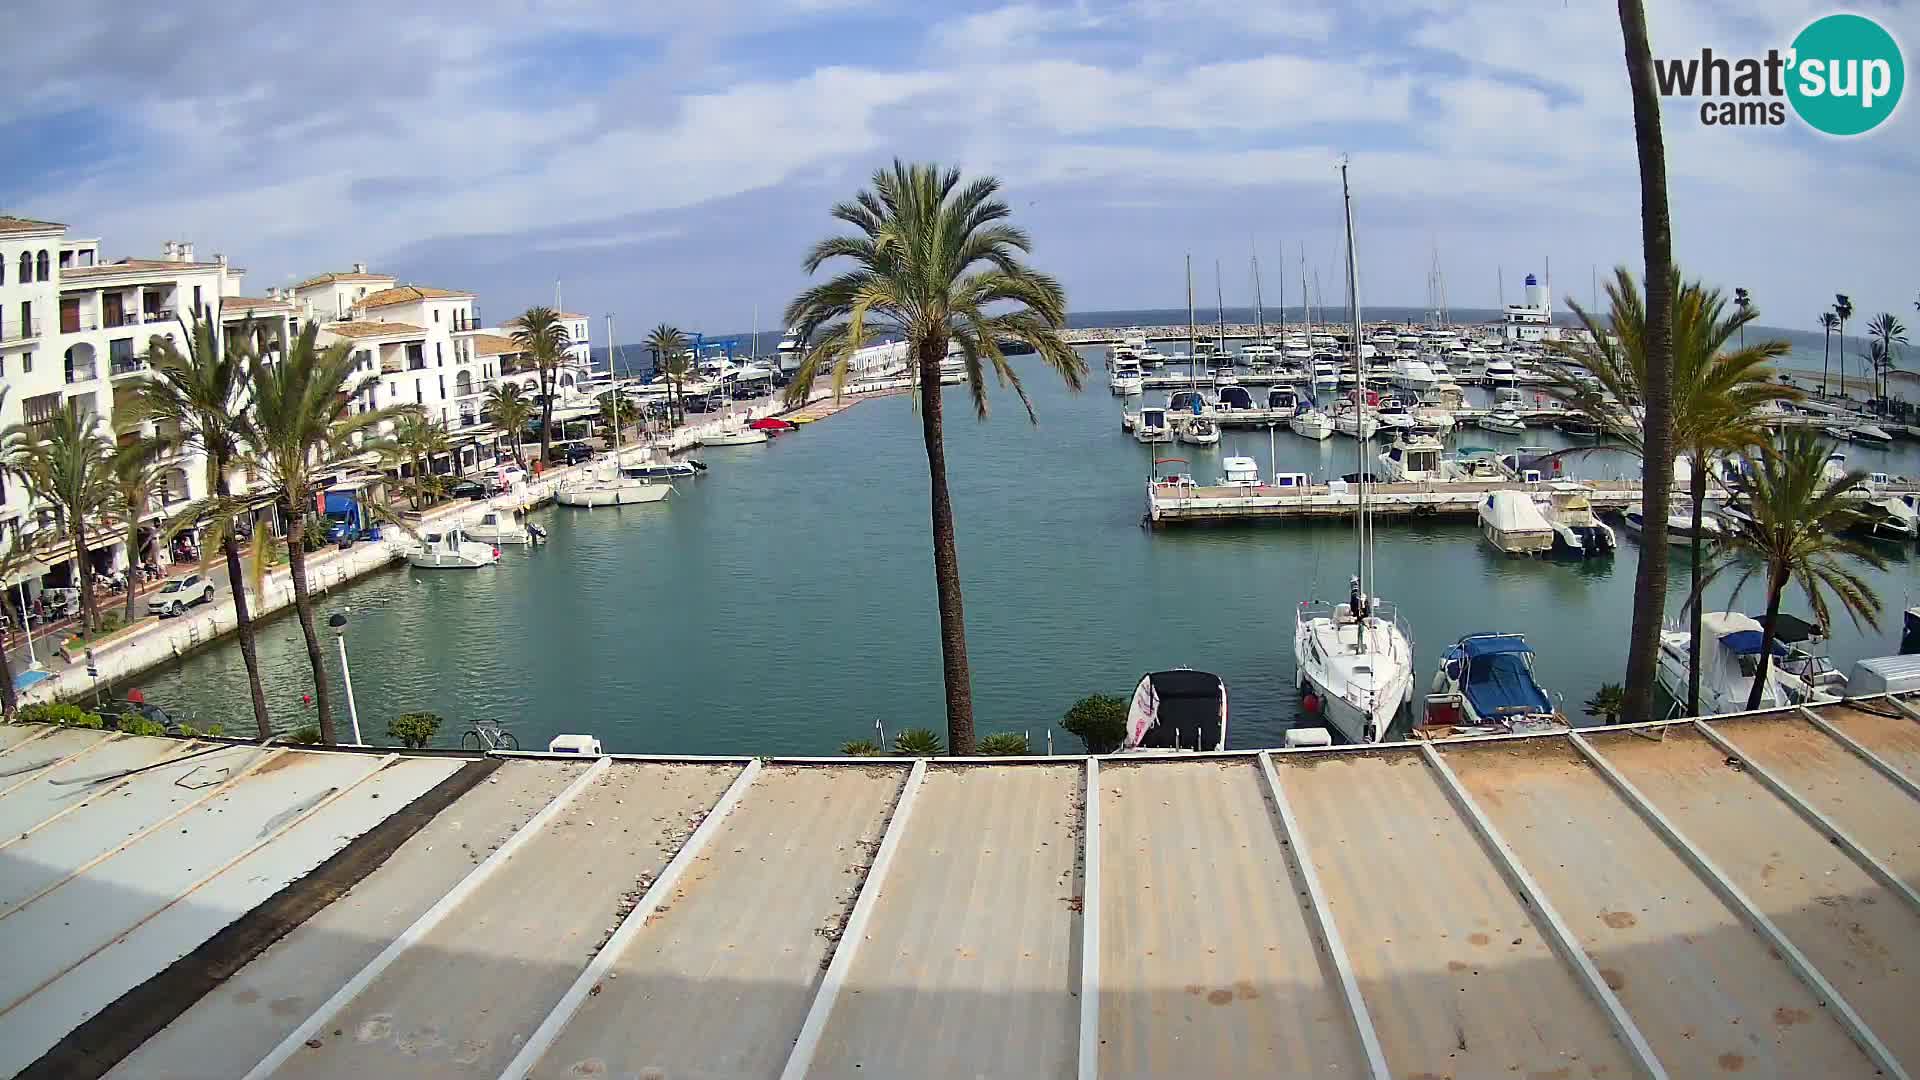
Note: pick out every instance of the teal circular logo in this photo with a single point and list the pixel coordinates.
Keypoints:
(1847, 74)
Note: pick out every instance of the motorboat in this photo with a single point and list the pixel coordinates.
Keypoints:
(1151, 426)
(1233, 398)
(1505, 421)
(1476, 464)
(1513, 523)
(1177, 710)
(1257, 354)
(953, 367)
(651, 464)
(1412, 374)
(499, 527)
(1577, 533)
(1679, 526)
(1886, 519)
(1326, 374)
(1870, 434)
(1729, 663)
(1353, 662)
(1578, 425)
(1486, 682)
(1282, 399)
(1240, 472)
(1501, 373)
(610, 486)
(1189, 403)
(1412, 459)
(735, 435)
(1198, 430)
(451, 550)
(1127, 379)
(1311, 423)
(1356, 421)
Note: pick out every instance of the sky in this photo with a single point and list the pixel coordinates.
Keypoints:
(672, 162)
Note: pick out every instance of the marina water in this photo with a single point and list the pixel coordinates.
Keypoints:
(783, 602)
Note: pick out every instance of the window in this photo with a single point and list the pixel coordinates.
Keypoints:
(419, 395)
(439, 356)
(436, 314)
(26, 362)
(26, 268)
(196, 299)
(26, 318)
(46, 268)
(443, 386)
(66, 259)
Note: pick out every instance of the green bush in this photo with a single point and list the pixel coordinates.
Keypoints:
(1002, 744)
(211, 731)
(414, 729)
(1606, 703)
(314, 533)
(918, 742)
(61, 713)
(862, 748)
(308, 735)
(1100, 722)
(140, 725)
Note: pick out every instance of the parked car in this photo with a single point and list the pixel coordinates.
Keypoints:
(180, 594)
(475, 489)
(578, 452)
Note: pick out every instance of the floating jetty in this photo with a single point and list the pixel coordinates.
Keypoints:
(1170, 503)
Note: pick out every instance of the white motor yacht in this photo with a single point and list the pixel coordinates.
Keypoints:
(608, 486)
(735, 434)
(1501, 373)
(1356, 421)
(1413, 374)
(1127, 379)
(1679, 525)
(499, 527)
(1197, 430)
(1241, 472)
(1513, 523)
(1505, 421)
(451, 550)
(1326, 374)
(1151, 426)
(1412, 459)
(1577, 533)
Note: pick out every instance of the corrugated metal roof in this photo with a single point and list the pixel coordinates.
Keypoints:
(1736, 897)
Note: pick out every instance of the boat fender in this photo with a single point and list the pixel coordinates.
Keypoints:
(1311, 703)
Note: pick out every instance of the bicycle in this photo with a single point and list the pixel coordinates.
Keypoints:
(488, 735)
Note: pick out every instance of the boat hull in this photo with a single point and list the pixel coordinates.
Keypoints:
(623, 495)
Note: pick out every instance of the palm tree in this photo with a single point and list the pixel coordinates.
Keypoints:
(1829, 322)
(1796, 532)
(192, 398)
(934, 263)
(303, 425)
(628, 413)
(1742, 300)
(1656, 238)
(15, 556)
(1843, 310)
(134, 476)
(64, 463)
(542, 337)
(510, 409)
(1716, 395)
(415, 441)
(669, 346)
(1888, 334)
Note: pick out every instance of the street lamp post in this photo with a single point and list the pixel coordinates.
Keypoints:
(338, 620)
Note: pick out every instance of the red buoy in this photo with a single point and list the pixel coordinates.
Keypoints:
(1310, 703)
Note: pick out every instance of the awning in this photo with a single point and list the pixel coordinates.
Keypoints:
(31, 570)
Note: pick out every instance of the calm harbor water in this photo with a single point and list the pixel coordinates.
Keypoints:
(783, 602)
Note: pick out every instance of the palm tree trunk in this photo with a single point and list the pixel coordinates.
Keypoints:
(1699, 491)
(89, 604)
(1843, 358)
(946, 561)
(1826, 360)
(303, 603)
(237, 579)
(9, 697)
(133, 565)
(1776, 584)
(546, 415)
(1650, 580)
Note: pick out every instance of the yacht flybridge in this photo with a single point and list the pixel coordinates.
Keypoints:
(1354, 662)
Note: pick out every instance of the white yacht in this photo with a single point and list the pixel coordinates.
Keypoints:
(790, 352)
(1198, 430)
(608, 486)
(1501, 372)
(1577, 533)
(1311, 423)
(1356, 421)
(1127, 379)
(1326, 374)
(499, 527)
(1189, 403)
(1413, 374)
(953, 367)
(1282, 399)
(1151, 426)
(1505, 421)
(1679, 525)
(735, 434)
(1241, 472)
(1412, 459)
(1513, 523)
(1729, 663)
(1257, 354)
(1354, 661)
(451, 550)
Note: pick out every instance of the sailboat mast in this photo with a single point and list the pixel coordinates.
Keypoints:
(1219, 312)
(1259, 311)
(1193, 373)
(1282, 264)
(1360, 367)
(613, 350)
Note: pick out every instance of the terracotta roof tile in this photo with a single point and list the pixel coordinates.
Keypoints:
(372, 329)
(329, 279)
(133, 266)
(407, 294)
(10, 224)
(493, 345)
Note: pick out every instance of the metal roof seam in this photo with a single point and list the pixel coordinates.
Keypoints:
(807, 1043)
(36, 736)
(31, 773)
(1558, 932)
(427, 921)
(1880, 765)
(1089, 1053)
(635, 921)
(1302, 860)
(1796, 960)
(174, 753)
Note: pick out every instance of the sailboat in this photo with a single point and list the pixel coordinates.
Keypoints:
(607, 485)
(1355, 661)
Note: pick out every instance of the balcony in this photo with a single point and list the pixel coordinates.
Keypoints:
(75, 323)
(465, 323)
(124, 318)
(86, 371)
(20, 331)
(159, 315)
(125, 365)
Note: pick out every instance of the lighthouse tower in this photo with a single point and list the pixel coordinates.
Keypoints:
(1537, 296)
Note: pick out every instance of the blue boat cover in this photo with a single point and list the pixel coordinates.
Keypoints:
(1747, 643)
(1498, 680)
(1492, 644)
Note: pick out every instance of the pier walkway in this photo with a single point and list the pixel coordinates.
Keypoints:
(1733, 896)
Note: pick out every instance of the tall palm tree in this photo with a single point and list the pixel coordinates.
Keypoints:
(1829, 322)
(415, 441)
(669, 348)
(542, 338)
(192, 399)
(1889, 334)
(1716, 394)
(934, 262)
(1742, 300)
(134, 476)
(64, 463)
(1796, 534)
(16, 555)
(1843, 310)
(628, 413)
(509, 409)
(302, 425)
(1656, 238)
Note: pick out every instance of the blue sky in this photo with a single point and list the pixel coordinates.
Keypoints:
(671, 162)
